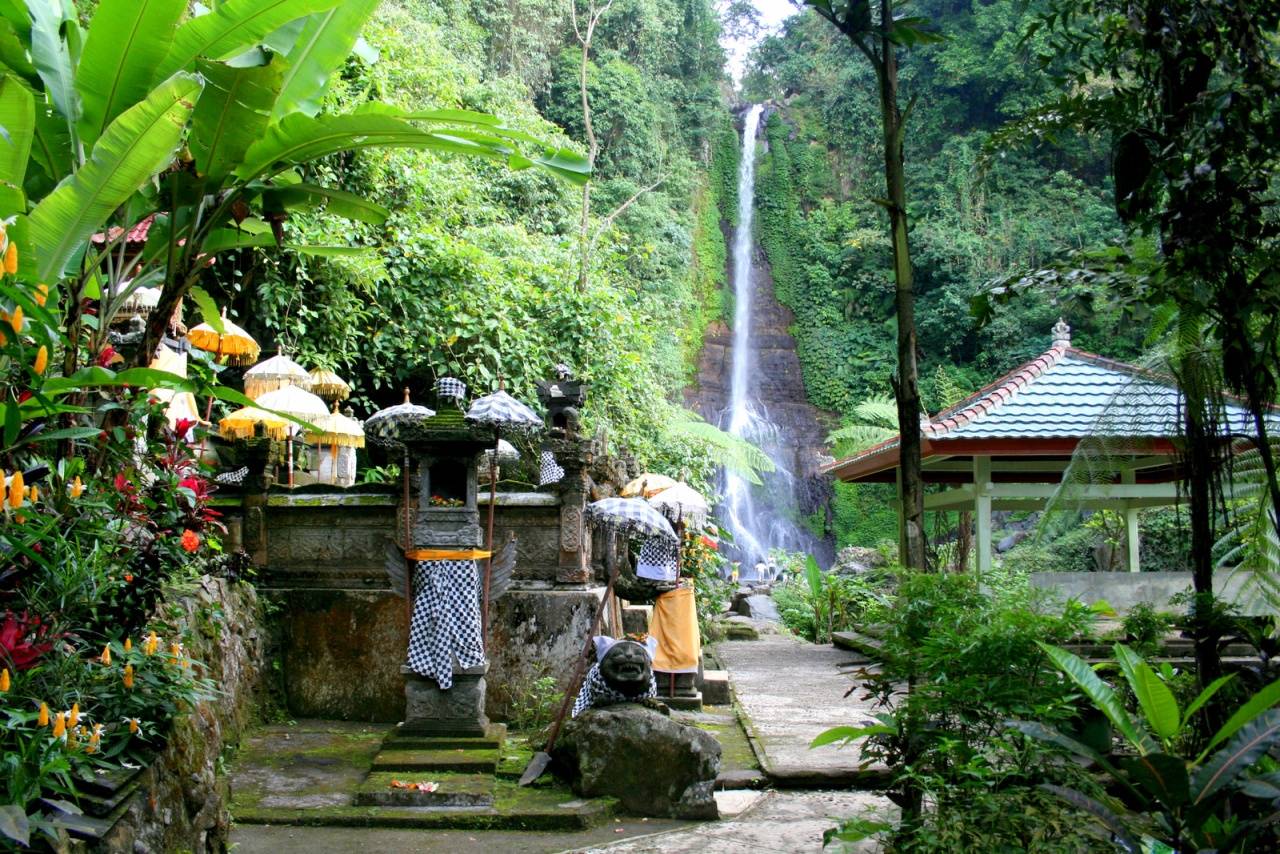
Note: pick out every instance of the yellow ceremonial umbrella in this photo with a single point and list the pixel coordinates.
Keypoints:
(275, 373)
(647, 485)
(336, 429)
(241, 424)
(234, 343)
(298, 403)
(179, 405)
(329, 385)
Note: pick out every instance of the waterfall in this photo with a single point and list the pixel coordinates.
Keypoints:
(759, 519)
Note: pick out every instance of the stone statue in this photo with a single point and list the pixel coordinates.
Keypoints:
(623, 673)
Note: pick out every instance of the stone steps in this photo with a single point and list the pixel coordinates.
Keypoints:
(452, 790)
(425, 761)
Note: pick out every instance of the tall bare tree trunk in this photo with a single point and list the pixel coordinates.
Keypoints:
(906, 385)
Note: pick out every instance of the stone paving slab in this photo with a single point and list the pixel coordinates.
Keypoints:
(786, 822)
(788, 692)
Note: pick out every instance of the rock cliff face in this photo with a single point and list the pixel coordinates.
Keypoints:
(778, 383)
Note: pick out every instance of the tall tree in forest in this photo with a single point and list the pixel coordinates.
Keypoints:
(873, 29)
(1188, 91)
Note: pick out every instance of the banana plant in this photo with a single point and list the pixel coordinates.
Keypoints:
(198, 127)
(1221, 799)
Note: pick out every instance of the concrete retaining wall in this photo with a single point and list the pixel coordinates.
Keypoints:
(1123, 590)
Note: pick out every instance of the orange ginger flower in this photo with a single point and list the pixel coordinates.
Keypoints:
(128, 676)
(43, 720)
(4, 680)
(60, 725)
(16, 489)
(11, 258)
(77, 487)
(105, 658)
(16, 320)
(42, 294)
(73, 717)
(42, 360)
(152, 644)
(34, 493)
(133, 725)
(128, 644)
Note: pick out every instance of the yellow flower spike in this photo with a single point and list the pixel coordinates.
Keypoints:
(16, 320)
(174, 651)
(128, 676)
(133, 725)
(4, 680)
(77, 488)
(42, 294)
(73, 718)
(16, 488)
(105, 658)
(11, 258)
(60, 725)
(43, 720)
(42, 359)
(153, 643)
(128, 642)
(34, 492)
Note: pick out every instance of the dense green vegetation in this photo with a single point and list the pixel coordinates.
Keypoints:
(474, 271)
(973, 218)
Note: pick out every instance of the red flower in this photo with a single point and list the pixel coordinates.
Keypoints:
(710, 543)
(121, 483)
(183, 425)
(190, 540)
(23, 640)
(107, 356)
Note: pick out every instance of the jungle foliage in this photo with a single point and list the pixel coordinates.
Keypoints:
(473, 272)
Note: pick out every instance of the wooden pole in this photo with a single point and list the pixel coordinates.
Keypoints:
(408, 564)
(488, 563)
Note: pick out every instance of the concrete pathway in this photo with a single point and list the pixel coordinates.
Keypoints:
(785, 822)
(789, 691)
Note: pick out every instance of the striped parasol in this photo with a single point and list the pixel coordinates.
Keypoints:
(386, 423)
(631, 516)
(273, 374)
(501, 411)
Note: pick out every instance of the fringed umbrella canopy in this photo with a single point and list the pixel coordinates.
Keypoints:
(273, 374)
(337, 429)
(241, 424)
(386, 423)
(294, 401)
(140, 303)
(234, 343)
(681, 503)
(329, 385)
(631, 516)
(647, 485)
(179, 405)
(501, 411)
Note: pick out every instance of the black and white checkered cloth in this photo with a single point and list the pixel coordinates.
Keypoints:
(232, 477)
(449, 387)
(551, 471)
(632, 516)
(446, 619)
(503, 411)
(596, 693)
(659, 560)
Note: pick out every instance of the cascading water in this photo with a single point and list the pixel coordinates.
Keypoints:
(759, 518)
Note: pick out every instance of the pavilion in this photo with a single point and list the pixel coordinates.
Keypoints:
(1009, 446)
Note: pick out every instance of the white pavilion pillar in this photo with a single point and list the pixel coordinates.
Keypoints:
(1132, 543)
(982, 513)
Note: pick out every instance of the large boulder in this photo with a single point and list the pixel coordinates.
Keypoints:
(855, 560)
(653, 765)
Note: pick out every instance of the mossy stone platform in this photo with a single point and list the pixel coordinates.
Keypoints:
(340, 774)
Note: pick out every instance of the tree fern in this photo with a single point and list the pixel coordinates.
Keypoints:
(734, 453)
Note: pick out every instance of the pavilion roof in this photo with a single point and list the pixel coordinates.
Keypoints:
(1045, 407)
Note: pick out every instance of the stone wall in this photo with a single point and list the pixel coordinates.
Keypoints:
(181, 804)
(1123, 590)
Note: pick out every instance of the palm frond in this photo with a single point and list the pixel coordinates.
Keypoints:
(734, 453)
